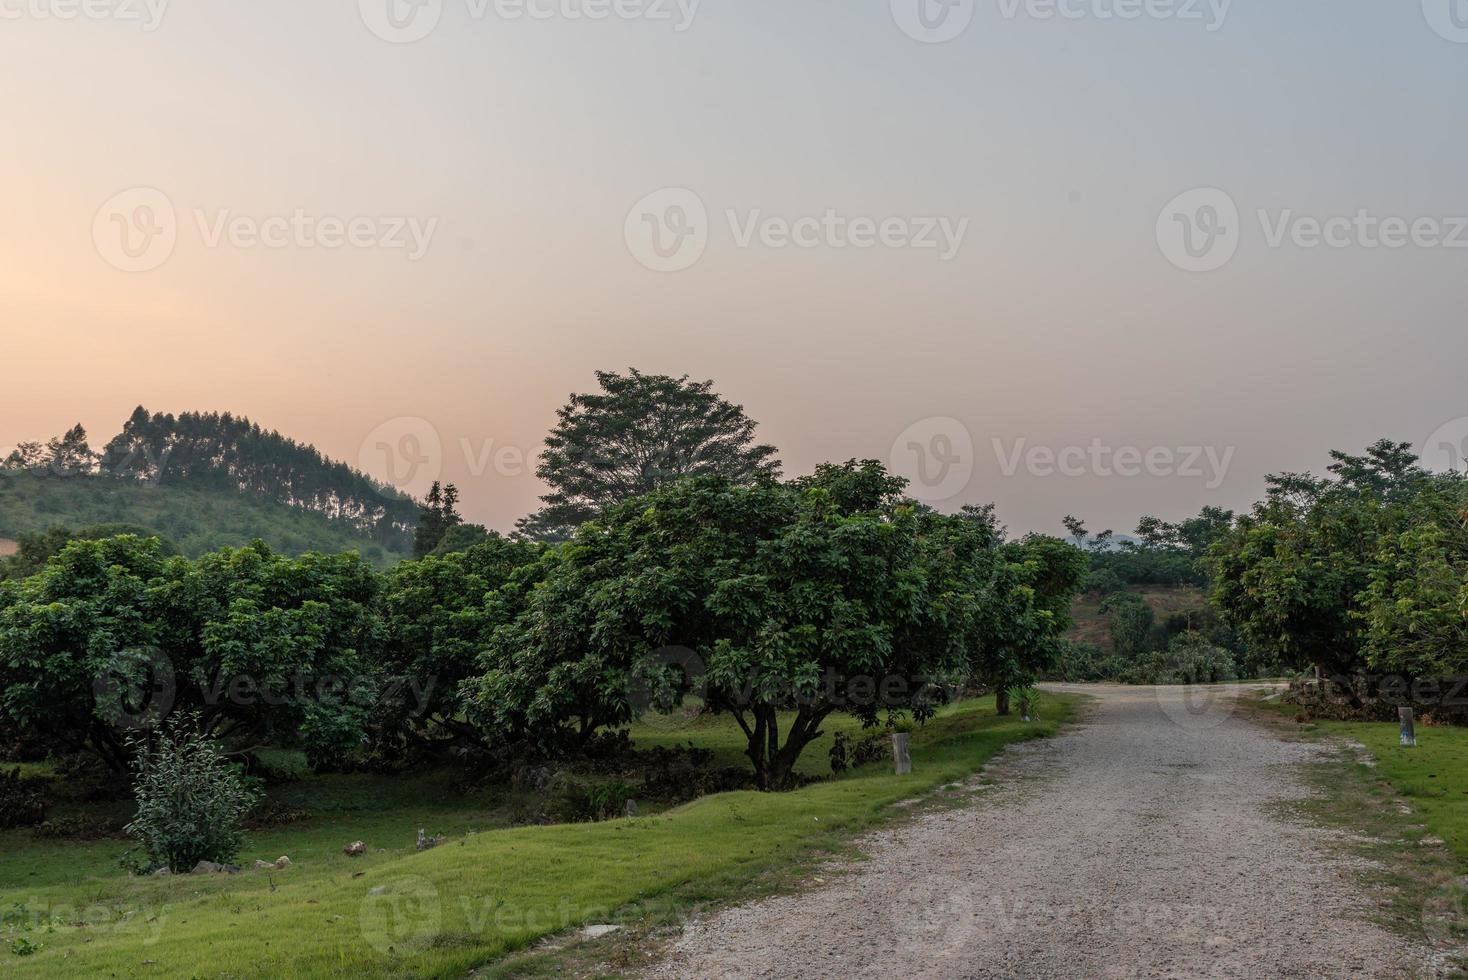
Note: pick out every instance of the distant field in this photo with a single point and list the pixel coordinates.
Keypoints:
(7, 547)
(195, 520)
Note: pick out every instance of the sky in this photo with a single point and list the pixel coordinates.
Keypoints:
(1093, 257)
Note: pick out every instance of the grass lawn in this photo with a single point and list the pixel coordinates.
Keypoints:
(67, 910)
(1433, 777)
(1424, 890)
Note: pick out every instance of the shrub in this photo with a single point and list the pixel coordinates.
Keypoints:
(191, 801)
(574, 801)
(21, 801)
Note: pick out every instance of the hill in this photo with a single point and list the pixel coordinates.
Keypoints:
(1092, 626)
(195, 519)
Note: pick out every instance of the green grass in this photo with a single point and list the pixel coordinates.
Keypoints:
(196, 520)
(1433, 777)
(1422, 889)
(470, 901)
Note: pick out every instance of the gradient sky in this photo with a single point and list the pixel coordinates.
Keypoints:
(1059, 322)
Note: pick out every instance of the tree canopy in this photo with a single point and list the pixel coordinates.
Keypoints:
(637, 433)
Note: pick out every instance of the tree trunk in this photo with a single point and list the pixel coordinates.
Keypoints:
(774, 763)
(1001, 700)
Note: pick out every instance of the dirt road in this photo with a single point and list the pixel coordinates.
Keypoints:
(1141, 844)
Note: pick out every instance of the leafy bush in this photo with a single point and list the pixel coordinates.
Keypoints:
(191, 801)
(574, 801)
(21, 802)
(848, 752)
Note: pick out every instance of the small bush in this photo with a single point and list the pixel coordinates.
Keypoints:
(191, 801)
(574, 801)
(22, 803)
(848, 752)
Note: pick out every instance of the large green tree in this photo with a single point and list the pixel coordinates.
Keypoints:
(637, 433)
(776, 603)
(1292, 575)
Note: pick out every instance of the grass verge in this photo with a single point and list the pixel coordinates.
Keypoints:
(467, 903)
(1408, 811)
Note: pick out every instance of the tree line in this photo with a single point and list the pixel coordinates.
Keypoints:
(670, 563)
(220, 451)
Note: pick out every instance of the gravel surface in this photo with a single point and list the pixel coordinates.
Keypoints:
(1140, 844)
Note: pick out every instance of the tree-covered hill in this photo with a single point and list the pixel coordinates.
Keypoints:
(195, 519)
(204, 480)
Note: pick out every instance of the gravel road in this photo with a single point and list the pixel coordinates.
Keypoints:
(1140, 844)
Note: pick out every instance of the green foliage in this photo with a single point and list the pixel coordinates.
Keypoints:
(22, 801)
(35, 549)
(638, 433)
(231, 453)
(194, 520)
(1130, 621)
(438, 615)
(574, 800)
(1362, 570)
(253, 642)
(21, 946)
(828, 594)
(439, 515)
(191, 801)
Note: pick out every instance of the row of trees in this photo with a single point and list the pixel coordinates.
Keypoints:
(830, 593)
(1364, 570)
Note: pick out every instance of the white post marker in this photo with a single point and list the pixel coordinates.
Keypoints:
(900, 754)
(1409, 729)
